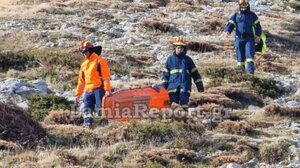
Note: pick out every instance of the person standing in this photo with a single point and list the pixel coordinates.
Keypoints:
(178, 74)
(248, 31)
(93, 81)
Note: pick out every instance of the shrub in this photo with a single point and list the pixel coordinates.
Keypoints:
(10, 60)
(276, 109)
(263, 86)
(238, 128)
(157, 25)
(274, 152)
(63, 117)
(40, 105)
(221, 160)
(18, 127)
(159, 132)
(54, 57)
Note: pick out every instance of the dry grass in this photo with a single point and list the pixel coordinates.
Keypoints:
(274, 152)
(276, 109)
(237, 128)
(157, 25)
(228, 96)
(70, 135)
(183, 7)
(18, 127)
(221, 160)
(201, 46)
(6, 145)
(63, 117)
(270, 63)
(162, 156)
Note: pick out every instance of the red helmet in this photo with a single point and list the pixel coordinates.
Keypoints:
(85, 46)
(179, 41)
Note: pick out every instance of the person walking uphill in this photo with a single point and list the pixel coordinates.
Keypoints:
(178, 74)
(93, 82)
(248, 32)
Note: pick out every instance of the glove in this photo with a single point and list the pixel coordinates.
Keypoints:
(200, 87)
(165, 85)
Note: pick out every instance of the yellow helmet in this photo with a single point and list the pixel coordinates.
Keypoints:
(179, 41)
(85, 46)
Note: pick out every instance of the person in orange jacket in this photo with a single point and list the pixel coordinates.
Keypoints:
(93, 82)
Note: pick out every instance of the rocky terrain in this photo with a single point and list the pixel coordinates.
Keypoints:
(246, 122)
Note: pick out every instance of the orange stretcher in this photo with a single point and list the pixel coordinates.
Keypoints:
(134, 103)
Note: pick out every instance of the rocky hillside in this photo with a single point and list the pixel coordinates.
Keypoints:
(255, 121)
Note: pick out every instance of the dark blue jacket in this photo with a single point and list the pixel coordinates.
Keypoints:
(246, 24)
(178, 73)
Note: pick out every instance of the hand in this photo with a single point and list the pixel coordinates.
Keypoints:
(257, 39)
(77, 100)
(107, 93)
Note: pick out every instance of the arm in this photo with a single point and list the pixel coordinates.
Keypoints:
(81, 84)
(230, 25)
(196, 76)
(257, 26)
(166, 75)
(105, 75)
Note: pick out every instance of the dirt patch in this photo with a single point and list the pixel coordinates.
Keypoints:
(18, 127)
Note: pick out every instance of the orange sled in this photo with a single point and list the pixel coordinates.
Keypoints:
(134, 103)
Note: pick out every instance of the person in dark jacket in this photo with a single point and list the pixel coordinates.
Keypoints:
(248, 31)
(178, 74)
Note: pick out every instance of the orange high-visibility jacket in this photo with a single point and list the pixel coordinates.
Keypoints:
(94, 73)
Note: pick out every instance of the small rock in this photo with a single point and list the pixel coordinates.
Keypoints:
(292, 103)
(297, 93)
(253, 108)
(234, 165)
(251, 164)
(220, 145)
(50, 44)
(115, 77)
(41, 86)
(24, 90)
(13, 84)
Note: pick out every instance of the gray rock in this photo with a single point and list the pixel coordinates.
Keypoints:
(280, 100)
(115, 77)
(292, 103)
(220, 145)
(23, 105)
(234, 165)
(50, 44)
(253, 108)
(297, 93)
(69, 95)
(251, 164)
(24, 90)
(92, 37)
(41, 86)
(13, 84)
